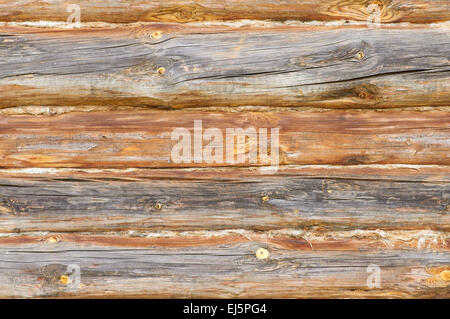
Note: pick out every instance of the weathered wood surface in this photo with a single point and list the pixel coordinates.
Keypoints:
(123, 139)
(415, 11)
(220, 265)
(86, 201)
(198, 66)
(87, 178)
(133, 253)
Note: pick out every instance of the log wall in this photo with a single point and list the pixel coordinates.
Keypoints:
(87, 178)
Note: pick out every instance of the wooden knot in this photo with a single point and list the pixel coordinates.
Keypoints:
(185, 13)
(156, 35)
(158, 206)
(367, 92)
(379, 3)
(363, 95)
(53, 273)
(262, 253)
(64, 279)
(53, 239)
(161, 71)
(360, 55)
(445, 275)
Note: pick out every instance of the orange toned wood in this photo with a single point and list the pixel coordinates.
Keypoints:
(120, 139)
(414, 11)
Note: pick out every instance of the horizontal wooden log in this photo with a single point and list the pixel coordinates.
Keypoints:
(416, 11)
(391, 172)
(122, 139)
(217, 266)
(356, 190)
(188, 200)
(170, 66)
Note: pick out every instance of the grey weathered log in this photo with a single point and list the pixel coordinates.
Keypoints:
(93, 202)
(138, 225)
(223, 66)
(218, 270)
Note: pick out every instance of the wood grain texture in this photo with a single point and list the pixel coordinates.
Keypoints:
(121, 139)
(87, 178)
(217, 266)
(415, 11)
(233, 199)
(201, 66)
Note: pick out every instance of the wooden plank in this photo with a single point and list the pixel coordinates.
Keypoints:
(217, 266)
(416, 11)
(201, 66)
(186, 200)
(122, 139)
